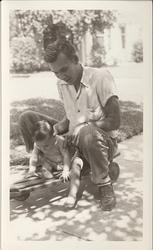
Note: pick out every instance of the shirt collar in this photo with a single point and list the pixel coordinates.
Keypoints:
(84, 78)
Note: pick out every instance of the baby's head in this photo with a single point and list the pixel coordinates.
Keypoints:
(43, 132)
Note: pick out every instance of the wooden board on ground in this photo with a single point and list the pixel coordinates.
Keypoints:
(23, 187)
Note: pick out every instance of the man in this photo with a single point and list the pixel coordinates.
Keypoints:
(92, 112)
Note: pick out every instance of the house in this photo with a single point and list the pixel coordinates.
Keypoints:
(117, 41)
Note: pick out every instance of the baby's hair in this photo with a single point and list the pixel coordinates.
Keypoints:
(42, 129)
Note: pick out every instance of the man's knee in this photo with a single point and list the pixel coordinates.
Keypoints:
(89, 136)
(85, 135)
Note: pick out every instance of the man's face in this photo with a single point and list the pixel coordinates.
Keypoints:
(65, 69)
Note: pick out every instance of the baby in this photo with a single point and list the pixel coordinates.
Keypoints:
(52, 155)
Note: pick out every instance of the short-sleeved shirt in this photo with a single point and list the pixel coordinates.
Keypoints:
(87, 104)
(52, 153)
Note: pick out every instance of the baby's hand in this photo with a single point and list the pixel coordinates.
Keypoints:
(65, 176)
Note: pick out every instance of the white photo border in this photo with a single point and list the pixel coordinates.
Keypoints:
(146, 8)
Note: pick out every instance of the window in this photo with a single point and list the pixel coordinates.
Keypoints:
(100, 40)
(123, 36)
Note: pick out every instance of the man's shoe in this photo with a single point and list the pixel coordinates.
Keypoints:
(107, 197)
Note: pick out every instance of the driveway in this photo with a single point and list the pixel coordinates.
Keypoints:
(128, 78)
(43, 217)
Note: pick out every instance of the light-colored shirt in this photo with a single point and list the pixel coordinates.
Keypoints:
(87, 104)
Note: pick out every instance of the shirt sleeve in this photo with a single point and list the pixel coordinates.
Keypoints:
(106, 87)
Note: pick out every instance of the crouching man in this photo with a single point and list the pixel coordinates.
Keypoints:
(92, 112)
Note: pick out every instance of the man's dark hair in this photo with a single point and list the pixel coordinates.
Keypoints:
(42, 129)
(54, 49)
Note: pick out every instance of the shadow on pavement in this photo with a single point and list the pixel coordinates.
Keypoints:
(46, 218)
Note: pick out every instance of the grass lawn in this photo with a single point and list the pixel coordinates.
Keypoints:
(131, 122)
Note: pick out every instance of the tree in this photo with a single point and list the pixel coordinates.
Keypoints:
(72, 23)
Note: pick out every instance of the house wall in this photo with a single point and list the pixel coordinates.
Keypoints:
(118, 41)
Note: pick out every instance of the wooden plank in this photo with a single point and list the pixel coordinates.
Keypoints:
(41, 185)
(32, 182)
(35, 182)
(24, 180)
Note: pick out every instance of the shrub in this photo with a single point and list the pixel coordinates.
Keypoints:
(53, 108)
(131, 116)
(131, 122)
(25, 56)
(137, 52)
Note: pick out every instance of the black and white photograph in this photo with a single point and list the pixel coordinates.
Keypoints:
(76, 136)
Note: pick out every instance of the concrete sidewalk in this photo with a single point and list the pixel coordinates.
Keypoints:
(129, 81)
(43, 217)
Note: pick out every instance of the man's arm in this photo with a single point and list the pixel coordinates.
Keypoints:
(61, 127)
(66, 166)
(33, 162)
(112, 115)
(66, 157)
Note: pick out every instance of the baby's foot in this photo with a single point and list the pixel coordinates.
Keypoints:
(70, 202)
(45, 174)
(31, 174)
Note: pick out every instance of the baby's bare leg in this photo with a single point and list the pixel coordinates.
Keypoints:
(47, 170)
(74, 182)
(31, 172)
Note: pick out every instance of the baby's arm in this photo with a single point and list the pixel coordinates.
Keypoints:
(33, 162)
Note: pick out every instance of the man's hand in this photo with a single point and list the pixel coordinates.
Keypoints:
(61, 127)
